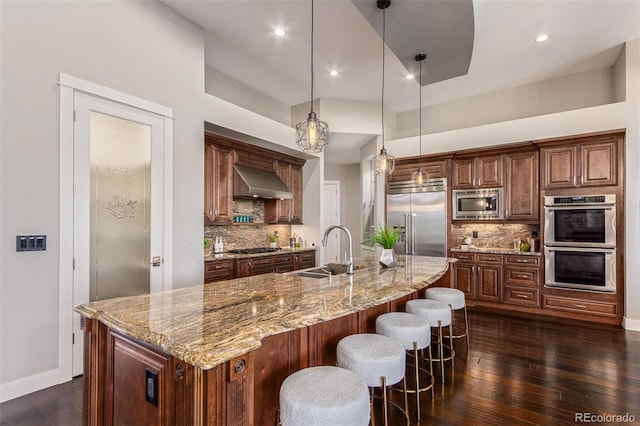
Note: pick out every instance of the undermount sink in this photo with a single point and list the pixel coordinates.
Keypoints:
(321, 271)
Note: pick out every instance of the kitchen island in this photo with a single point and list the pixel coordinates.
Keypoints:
(216, 354)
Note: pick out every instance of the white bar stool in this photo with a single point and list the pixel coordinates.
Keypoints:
(439, 315)
(380, 361)
(455, 299)
(414, 333)
(320, 396)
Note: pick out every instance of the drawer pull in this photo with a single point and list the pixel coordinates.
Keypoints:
(491, 258)
(522, 261)
(575, 305)
(522, 276)
(522, 296)
(219, 267)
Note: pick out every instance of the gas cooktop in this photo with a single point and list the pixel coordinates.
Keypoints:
(253, 250)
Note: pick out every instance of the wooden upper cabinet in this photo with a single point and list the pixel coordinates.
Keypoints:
(478, 172)
(218, 184)
(286, 211)
(581, 162)
(405, 167)
(522, 189)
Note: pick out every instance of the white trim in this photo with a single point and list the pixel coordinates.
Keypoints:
(113, 95)
(29, 384)
(631, 324)
(65, 259)
(168, 204)
(68, 86)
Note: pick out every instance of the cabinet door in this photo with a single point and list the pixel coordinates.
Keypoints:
(559, 167)
(489, 283)
(463, 173)
(522, 192)
(599, 164)
(489, 171)
(218, 185)
(465, 278)
(243, 268)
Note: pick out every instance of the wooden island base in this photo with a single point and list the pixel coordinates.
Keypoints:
(242, 391)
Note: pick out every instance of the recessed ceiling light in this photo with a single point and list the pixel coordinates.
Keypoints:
(542, 38)
(410, 76)
(279, 32)
(334, 73)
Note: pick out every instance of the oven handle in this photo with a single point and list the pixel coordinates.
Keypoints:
(606, 250)
(608, 206)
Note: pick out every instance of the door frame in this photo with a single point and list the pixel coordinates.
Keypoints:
(336, 185)
(68, 86)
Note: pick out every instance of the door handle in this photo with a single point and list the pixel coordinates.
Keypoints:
(156, 261)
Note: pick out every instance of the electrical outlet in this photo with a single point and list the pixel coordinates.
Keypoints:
(475, 234)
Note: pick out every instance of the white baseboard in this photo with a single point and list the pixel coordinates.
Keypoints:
(631, 324)
(28, 385)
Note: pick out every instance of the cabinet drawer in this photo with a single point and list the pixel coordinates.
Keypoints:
(283, 263)
(523, 260)
(464, 256)
(581, 306)
(522, 276)
(214, 266)
(522, 296)
(489, 258)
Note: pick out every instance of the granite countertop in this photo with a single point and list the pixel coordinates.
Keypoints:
(209, 324)
(283, 250)
(495, 250)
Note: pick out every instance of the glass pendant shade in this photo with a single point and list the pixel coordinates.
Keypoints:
(383, 163)
(419, 177)
(312, 135)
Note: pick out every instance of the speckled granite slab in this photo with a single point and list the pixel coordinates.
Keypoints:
(213, 323)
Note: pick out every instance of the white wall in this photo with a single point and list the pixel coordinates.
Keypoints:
(152, 53)
(573, 92)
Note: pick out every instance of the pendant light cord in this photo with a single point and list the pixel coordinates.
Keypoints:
(312, 55)
(383, 49)
(420, 116)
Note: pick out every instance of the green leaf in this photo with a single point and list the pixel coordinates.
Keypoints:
(386, 237)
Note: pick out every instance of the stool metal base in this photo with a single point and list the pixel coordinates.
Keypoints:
(386, 402)
(417, 389)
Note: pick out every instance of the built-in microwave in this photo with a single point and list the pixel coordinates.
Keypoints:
(478, 204)
(580, 268)
(580, 221)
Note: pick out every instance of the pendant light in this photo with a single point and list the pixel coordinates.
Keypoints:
(419, 177)
(312, 135)
(383, 163)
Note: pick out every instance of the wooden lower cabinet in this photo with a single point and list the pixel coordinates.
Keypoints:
(522, 280)
(285, 262)
(479, 276)
(581, 306)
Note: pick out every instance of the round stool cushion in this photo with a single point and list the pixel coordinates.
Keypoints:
(324, 395)
(372, 356)
(406, 328)
(431, 310)
(448, 296)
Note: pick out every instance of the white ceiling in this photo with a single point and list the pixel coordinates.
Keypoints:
(585, 35)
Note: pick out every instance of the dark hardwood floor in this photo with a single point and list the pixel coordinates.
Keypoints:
(518, 371)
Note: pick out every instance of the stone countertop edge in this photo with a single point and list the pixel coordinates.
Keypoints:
(283, 250)
(495, 250)
(209, 324)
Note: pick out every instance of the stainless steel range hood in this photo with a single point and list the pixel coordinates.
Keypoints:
(256, 183)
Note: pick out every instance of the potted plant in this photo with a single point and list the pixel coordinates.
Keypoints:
(273, 240)
(386, 237)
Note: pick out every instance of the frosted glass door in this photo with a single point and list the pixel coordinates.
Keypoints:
(120, 159)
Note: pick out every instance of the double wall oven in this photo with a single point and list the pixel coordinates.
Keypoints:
(580, 242)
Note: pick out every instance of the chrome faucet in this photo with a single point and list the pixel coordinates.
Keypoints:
(349, 262)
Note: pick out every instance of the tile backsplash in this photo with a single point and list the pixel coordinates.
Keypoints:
(497, 235)
(240, 236)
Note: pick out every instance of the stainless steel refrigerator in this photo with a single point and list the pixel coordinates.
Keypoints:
(419, 215)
